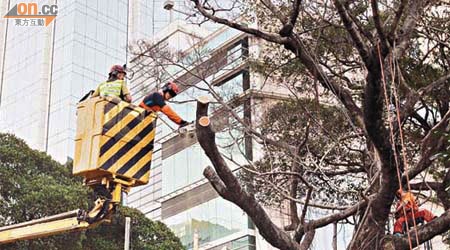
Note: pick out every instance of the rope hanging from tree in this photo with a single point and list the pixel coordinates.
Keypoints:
(391, 132)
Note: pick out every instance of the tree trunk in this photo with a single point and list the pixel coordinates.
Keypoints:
(369, 236)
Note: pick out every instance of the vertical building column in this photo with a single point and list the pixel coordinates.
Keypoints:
(254, 51)
(133, 20)
(4, 7)
(46, 81)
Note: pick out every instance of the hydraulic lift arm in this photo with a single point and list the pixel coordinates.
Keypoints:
(71, 221)
(56, 224)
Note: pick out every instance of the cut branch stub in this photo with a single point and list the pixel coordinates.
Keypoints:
(204, 121)
(227, 185)
(203, 99)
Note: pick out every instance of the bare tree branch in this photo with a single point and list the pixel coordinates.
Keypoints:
(308, 239)
(232, 190)
(293, 214)
(425, 186)
(352, 30)
(305, 206)
(441, 83)
(414, 96)
(398, 15)
(378, 26)
(270, 6)
(431, 144)
(412, 16)
(318, 223)
(442, 192)
(267, 36)
(288, 27)
(335, 236)
(293, 192)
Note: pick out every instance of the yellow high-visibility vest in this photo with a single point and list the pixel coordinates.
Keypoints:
(111, 88)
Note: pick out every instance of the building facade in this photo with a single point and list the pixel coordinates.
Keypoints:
(46, 70)
(178, 194)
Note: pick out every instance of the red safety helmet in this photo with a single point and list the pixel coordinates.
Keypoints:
(172, 88)
(115, 69)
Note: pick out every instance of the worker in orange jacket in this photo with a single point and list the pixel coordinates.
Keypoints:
(407, 201)
(156, 101)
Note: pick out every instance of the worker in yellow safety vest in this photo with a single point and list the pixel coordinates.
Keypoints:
(115, 85)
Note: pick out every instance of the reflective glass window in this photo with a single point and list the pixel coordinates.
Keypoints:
(211, 220)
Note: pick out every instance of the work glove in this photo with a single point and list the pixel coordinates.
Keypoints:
(398, 234)
(184, 123)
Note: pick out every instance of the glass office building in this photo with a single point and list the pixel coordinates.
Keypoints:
(178, 194)
(46, 70)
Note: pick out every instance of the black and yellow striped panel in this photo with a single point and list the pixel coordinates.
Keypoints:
(127, 140)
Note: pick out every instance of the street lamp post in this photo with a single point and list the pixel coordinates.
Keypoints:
(169, 5)
(127, 233)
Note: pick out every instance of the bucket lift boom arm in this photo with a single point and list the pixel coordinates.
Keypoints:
(56, 224)
(76, 220)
